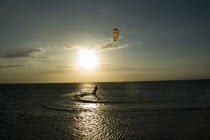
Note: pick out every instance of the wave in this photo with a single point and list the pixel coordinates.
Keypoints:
(125, 107)
(83, 98)
(74, 102)
(84, 94)
(107, 102)
(58, 108)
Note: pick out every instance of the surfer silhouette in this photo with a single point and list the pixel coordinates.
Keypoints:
(95, 89)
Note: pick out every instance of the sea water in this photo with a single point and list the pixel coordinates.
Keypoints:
(124, 110)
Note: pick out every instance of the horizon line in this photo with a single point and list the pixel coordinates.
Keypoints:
(109, 81)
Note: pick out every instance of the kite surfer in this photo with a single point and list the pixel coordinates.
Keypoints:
(95, 89)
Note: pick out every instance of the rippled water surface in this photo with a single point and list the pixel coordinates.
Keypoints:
(132, 110)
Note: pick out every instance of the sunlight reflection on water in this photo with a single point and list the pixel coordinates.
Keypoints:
(88, 122)
(118, 111)
(89, 106)
(87, 87)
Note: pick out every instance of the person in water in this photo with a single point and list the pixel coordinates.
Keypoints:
(95, 89)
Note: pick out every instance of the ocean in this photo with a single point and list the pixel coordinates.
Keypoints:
(119, 110)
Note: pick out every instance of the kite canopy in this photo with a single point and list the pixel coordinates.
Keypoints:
(115, 35)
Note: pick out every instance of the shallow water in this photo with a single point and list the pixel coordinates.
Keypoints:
(129, 110)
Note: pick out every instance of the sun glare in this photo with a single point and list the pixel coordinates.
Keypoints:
(87, 59)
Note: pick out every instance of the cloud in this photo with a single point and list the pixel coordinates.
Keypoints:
(110, 46)
(27, 53)
(10, 66)
(69, 46)
(126, 68)
(59, 69)
(101, 47)
(43, 57)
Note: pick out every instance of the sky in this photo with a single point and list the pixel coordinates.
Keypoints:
(40, 40)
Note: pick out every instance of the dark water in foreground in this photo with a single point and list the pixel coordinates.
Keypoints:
(135, 110)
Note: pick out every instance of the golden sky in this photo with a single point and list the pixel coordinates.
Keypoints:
(72, 41)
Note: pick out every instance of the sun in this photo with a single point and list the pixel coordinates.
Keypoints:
(87, 59)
